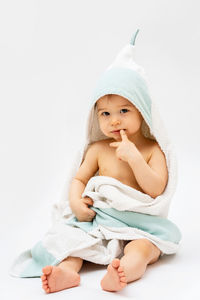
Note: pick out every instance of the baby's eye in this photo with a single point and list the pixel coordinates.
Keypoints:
(105, 112)
(126, 110)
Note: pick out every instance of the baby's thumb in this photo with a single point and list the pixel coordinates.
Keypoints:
(88, 201)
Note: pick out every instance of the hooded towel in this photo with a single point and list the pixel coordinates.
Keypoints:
(122, 212)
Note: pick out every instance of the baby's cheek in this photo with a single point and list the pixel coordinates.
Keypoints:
(103, 128)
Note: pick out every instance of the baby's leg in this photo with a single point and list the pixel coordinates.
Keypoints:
(137, 255)
(63, 276)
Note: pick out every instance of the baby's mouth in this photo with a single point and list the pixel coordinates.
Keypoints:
(117, 131)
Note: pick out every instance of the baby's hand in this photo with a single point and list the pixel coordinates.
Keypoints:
(125, 149)
(82, 212)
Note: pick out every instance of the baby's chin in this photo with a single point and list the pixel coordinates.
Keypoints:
(114, 137)
(117, 138)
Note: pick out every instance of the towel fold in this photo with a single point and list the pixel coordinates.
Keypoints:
(102, 239)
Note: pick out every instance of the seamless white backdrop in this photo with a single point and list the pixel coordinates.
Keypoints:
(51, 55)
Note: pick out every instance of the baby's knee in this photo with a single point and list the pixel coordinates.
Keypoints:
(142, 247)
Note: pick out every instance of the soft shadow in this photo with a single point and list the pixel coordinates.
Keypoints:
(164, 260)
(89, 266)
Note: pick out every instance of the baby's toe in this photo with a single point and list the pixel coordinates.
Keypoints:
(43, 277)
(121, 274)
(44, 282)
(121, 269)
(46, 288)
(47, 270)
(123, 279)
(115, 263)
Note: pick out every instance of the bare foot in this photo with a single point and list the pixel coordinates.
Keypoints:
(115, 279)
(56, 279)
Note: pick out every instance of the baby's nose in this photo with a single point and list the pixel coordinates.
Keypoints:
(115, 122)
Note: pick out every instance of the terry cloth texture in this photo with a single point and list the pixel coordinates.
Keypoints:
(122, 212)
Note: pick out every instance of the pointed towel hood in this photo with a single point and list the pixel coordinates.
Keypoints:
(126, 78)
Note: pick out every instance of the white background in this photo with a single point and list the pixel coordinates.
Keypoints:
(51, 55)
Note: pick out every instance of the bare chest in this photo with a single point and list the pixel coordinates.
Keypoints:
(110, 165)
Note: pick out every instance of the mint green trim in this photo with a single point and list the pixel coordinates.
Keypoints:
(128, 84)
(160, 227)
(40, 258)
(132, 42)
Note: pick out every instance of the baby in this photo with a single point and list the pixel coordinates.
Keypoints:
(134, 160)
(117, 202)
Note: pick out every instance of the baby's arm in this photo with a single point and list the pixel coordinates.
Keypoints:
(152, 176)
(88, 168)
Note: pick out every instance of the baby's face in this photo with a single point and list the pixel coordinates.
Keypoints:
(115, 113)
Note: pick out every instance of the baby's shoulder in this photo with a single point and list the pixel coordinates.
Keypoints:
(151, 149)
(96, 147)
(156, 147)
(157, 159)
(99, 147)
(102, 143)
(148, 143)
